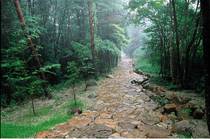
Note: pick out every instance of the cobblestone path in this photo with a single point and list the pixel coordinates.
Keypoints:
(122, 110)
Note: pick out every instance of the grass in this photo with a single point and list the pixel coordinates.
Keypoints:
(20, 122)
(24, 131)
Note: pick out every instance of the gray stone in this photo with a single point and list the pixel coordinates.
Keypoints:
(94, 95)
(97, 108)
(193, 103)
(127, 125)
(96, 130)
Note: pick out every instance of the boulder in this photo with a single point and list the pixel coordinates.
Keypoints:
(181, 127)
(198, 114)
(193, 103)
(170, 108)
(169, 95)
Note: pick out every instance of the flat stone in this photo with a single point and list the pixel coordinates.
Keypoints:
(101, 92)
(115, 135)
(106, 99)
(75, 134)
(88, 115)
(97, 108)
(105, 116)
(99, 102)
(170, 108)
(64, 127)
(110, 76)
(154, 132)
(97, 130)
(135, 133)
(78, 123)
(115, 127)
(105, 121)
(127, 125)
(149, 122)
(51, 134)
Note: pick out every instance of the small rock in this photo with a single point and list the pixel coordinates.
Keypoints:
(170, 108)
(164, 118)
(198, 114)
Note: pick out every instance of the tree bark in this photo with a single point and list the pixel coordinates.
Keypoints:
(36, 59)
(177, 41)
(171, 48)
(205, 8)
(92, 39)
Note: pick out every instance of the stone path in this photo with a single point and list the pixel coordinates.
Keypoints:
(123, 110)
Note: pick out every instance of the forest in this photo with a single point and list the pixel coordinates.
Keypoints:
(49, 45)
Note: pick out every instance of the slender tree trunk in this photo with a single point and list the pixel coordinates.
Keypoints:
(177, 42)
(171, 48)
(92, 40)
(184, 33)
(36, 59)
(205, 8)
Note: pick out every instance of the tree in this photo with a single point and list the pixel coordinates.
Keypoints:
(205, 8)
(36, 59)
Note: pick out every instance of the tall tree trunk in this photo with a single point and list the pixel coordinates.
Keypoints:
(205, 8)
(171, 48)
(36, 59)
(177, 42)
(92, 40)
(184, 33)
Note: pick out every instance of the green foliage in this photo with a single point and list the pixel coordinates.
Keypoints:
(186, 111)
(158, 99)
(159, 81)
(172, 86)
